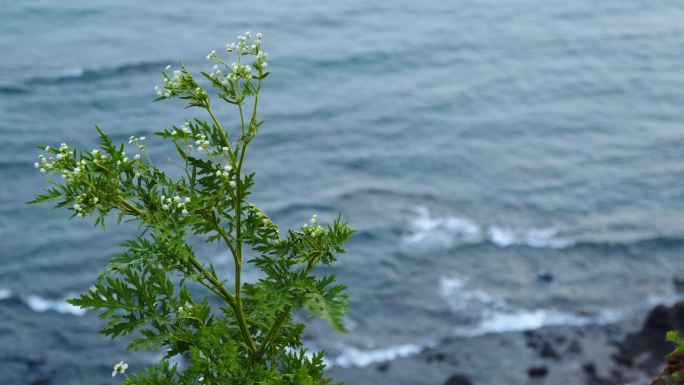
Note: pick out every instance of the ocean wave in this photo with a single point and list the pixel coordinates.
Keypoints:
(91, 74)
(424, 230)
(5, 293)
(354, 357)
(523, 320)
(496, 315)
(40, 305)
(454, 291)
(494, 323)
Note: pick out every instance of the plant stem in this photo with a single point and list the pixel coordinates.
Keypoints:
(224, 138)
(236, 301)
(273, 331)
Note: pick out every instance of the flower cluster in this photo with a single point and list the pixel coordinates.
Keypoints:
(185, 128)
(124, 159)
(84, 204)
(237, 70)
(57, 162)
(225, 173)
(137, 141)
(243, 46)
(201, 142)
(181, 83)
(174, 204)
(185, 311)
(313, 228)
(97, 156)
(119, 368)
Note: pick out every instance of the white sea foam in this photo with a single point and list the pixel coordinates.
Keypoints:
(445, 232)
(353, 357)
(40, 305)
(455, 292)
(496, 315)
(5, 293)
(522, 320)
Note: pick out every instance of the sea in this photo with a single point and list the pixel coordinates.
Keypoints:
(508, 164)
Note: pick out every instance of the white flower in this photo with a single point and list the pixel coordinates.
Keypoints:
(137, 156)
(231, 184)
(120, 368)
(184, 212)
(212, 54)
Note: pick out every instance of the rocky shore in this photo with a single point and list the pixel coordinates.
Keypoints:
(630, 352)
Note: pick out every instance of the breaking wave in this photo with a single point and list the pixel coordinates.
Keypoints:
(424, 230)
(40, 305)
(91, 74)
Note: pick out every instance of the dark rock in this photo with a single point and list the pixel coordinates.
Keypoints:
(574, 347)
(623, 360)
(675, 367)
(589, 368)
(537, 371)
(383, 367)
(678, 284)
(458, 379)
(547, 351)
(545, 277)
(650, 340)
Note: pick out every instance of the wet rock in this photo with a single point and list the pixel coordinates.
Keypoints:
(547, 351)
(574, 347)
(545, 277)
(458, 379)
(650, 340)
(678, 284)
(537, 371)
(383, 367)
(675, 367)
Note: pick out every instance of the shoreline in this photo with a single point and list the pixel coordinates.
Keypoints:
(629, 351)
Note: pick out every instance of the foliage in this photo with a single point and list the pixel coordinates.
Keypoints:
(674, 337)
(143, 293)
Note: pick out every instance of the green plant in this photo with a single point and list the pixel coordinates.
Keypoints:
(674, 337)
(251, 337)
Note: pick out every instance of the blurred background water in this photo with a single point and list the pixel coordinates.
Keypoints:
(481, 148)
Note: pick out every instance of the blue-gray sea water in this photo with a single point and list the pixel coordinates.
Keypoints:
(474, 145)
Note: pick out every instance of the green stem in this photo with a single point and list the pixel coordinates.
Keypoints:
(273, 331)
(236, 301)
(222, 133)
